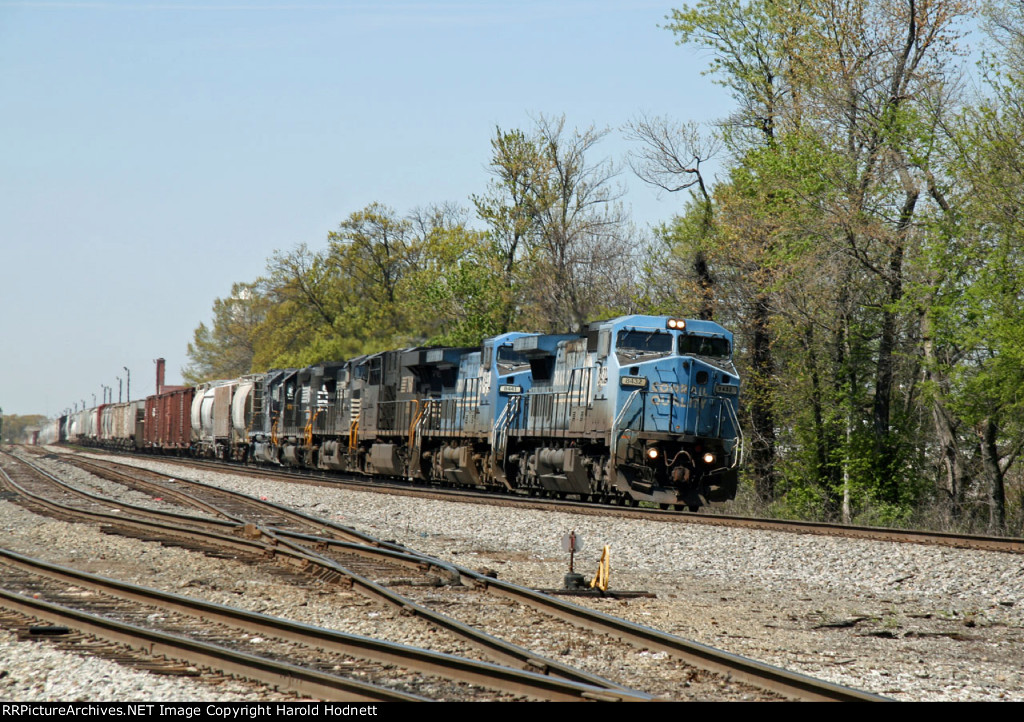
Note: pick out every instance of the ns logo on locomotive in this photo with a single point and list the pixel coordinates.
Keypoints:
(636, 408)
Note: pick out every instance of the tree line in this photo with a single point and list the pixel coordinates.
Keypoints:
(863, 239)
(14, 428)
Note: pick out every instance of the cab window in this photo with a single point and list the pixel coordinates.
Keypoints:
(642, 343)
(509, 358)
(714, 346)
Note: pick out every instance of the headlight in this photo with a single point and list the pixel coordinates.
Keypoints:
(709, 458)
(652, 453)
(676, 323)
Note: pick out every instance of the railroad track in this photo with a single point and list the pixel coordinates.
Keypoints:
(330, 541)
(1012, 545)
(294, 657)
(262, 545)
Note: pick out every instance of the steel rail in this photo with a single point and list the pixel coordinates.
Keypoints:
(492, 676)
(1012, 545)
(152, 525)
(286, 512)
(283, 676)
(299, 555)
(758, 674)
(144, 512)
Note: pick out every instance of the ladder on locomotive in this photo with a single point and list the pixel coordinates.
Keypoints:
(257, 402)
(499, 434)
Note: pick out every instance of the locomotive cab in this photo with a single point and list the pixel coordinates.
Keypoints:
(675, 438)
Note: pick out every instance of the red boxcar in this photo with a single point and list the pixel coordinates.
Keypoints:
(168, 423)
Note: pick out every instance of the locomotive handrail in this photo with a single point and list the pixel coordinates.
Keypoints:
(499, 433)
(545, 412)
(613, 440)
(577, 399)
(425, 413)
(416, 415)
(740, 447)
(392, 415)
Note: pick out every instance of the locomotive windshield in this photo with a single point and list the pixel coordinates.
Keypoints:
(509, 358)
(713, 346)
(637, 342)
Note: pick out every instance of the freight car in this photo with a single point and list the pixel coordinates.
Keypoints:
(116, 426)
(636, 408)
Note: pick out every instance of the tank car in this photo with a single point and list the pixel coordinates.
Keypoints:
(220, 418)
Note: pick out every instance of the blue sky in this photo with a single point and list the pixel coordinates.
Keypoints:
(154, 153)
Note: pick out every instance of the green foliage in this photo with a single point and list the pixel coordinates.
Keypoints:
(459, 294)
(226, 350)
(564, 242)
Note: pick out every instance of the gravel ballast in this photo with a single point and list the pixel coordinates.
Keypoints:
(906, 621)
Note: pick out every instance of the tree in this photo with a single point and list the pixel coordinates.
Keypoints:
(669, 157)
(973, 313)
(752, 45)
(457, 293)
(583, 259)
(553, 216)
(838, 106)
(307, 306)
(512, 207)
(347, 299)
(227, 350)
(14, 427)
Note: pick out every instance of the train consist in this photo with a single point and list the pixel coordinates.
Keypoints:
(636, 408)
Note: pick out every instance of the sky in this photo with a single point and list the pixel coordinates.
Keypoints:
(154, 153)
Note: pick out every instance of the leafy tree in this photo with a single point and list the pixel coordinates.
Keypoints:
(511, 209)
(226, 350)
(563, 240)
(14, 426)
(972, 315)
(833, 140)
(306, 310)
(457, 293)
